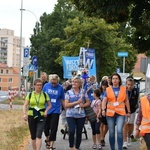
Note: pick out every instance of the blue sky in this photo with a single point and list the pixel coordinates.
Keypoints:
(10, 15)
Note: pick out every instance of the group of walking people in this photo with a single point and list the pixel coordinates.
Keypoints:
(114, 104)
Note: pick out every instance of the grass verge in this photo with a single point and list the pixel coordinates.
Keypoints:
(16, 101)
(13, 130)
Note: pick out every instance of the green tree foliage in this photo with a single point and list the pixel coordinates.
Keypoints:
(135, 12)
(51, 26)
(103, 38)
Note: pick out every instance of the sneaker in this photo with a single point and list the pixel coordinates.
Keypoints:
(99, 147)
(89, 126)
(125, 145)
(129, 141)
(102, 143)
(94, 146)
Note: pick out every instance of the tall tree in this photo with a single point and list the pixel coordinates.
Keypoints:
(51, 26)
(104, 39)
(135, 12)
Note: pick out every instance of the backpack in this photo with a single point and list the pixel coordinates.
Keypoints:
(30, 94)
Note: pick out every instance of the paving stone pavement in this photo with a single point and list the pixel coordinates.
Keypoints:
(62, 144)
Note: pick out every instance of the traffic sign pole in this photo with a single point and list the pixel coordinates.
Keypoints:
(123, 54)
(26, 56)
(124, 64)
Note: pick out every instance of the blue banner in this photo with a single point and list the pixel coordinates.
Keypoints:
(71, 64)
(87, 60)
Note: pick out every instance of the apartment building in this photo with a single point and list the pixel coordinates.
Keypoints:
(10, 59)
(10, 48)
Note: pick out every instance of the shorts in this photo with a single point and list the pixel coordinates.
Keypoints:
(131, 119)
(103, 120)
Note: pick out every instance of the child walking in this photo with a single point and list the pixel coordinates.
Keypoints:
(96, 105)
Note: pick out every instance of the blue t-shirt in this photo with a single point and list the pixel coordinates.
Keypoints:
(102, 96)
(116, 92)
(56, 94)
(93, 86)
(74, 111)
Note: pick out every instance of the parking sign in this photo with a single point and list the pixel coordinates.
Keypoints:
(26, 52)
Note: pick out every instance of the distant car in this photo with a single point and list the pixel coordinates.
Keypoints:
(142, 92)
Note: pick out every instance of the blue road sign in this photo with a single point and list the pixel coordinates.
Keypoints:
(122, 54)
(31, 67)
(34, 60)
(26, 52)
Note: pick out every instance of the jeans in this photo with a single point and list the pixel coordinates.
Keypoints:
(75, 124)
(117, 120)
(147, 140)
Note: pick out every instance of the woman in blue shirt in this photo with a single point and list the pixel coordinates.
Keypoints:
(75, 103)
(56, 94)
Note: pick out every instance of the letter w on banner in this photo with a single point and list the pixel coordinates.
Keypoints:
(87, 60)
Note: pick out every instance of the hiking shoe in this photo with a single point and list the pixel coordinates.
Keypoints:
(125, 145)
(94, 146)
(99, 147)
(102, 143)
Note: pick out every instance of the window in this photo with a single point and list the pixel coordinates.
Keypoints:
(1, 70)
(7, 71)
(10, 80)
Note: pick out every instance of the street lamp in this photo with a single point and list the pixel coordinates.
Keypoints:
(34, 16)
(19, 85)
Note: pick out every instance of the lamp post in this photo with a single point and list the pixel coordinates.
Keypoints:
(20, 48)
(21, 37)
(34, 16)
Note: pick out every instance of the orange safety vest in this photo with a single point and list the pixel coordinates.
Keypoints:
(116, 105)
(145, 123)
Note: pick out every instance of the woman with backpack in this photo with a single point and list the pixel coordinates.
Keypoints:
(36, 113)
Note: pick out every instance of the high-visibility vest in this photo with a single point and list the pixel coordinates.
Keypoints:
(145, 123)
(116, 105)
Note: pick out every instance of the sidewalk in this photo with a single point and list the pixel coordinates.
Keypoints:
(61, 144)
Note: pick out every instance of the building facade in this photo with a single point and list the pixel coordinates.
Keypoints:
(9, 77)
(10, 48)
(10, 59)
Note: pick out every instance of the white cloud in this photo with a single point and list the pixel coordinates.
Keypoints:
(10, 15)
